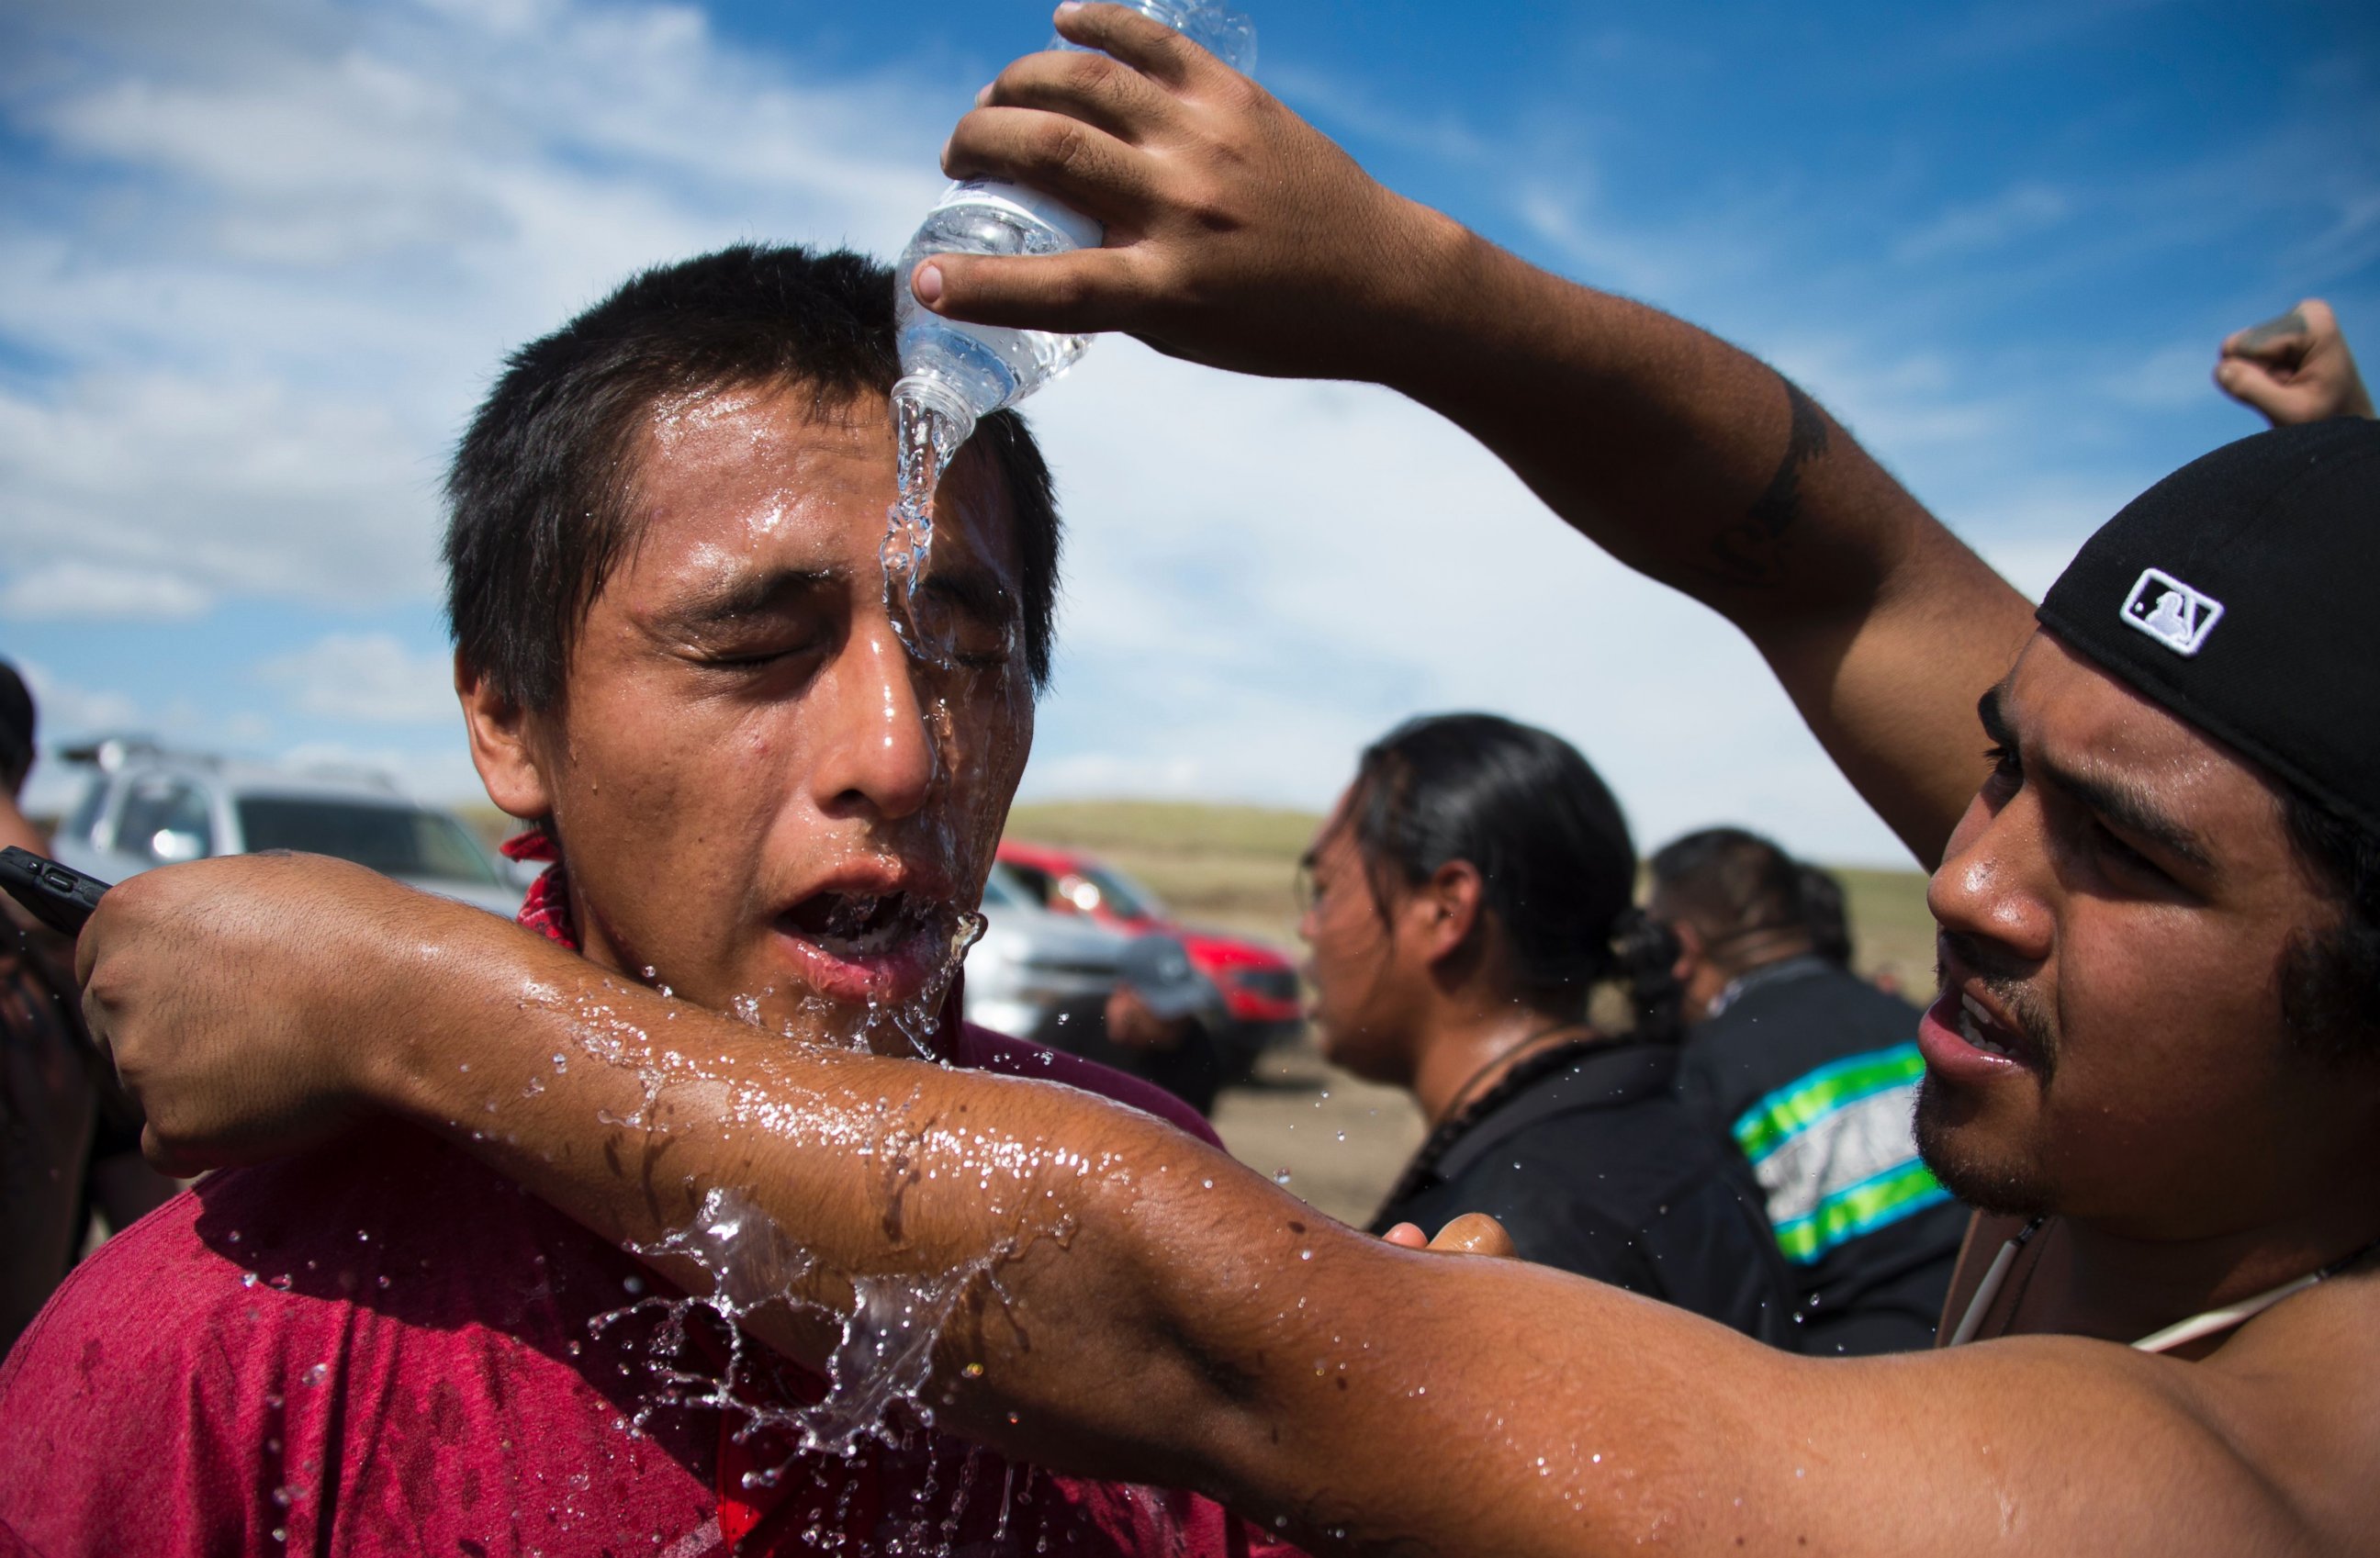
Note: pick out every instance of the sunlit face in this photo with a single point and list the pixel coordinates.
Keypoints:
(1362, 983)
(2115, 909)
(762, 796)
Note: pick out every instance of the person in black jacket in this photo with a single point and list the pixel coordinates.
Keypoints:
(1466, 897)
(1813, 1073)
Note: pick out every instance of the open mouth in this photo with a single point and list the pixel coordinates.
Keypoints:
(854, 927)
(1979, 1028)
(851, 944)
(1969, 1035)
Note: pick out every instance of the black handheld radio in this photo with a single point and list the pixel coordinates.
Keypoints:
(58, 895)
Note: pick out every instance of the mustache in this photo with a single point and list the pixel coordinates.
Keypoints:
(2008, 979)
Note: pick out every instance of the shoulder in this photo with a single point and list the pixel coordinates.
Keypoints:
(386, 1306)
(391, 1228)
(980, 1050)
(2293, 1393)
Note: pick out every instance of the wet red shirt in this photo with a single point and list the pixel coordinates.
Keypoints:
(386, 1348)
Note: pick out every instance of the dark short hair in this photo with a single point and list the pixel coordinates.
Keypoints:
(1729, 882)
(542, 487)
(1557, 868)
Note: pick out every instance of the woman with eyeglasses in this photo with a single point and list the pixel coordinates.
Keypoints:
(1465, 898)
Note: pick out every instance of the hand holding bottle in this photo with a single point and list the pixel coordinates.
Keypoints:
(1237, 235)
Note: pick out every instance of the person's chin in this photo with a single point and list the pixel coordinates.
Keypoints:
(1978, 1158)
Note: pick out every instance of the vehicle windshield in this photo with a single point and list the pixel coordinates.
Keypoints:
(1125, 897)
(394, 841)
(1001, 890)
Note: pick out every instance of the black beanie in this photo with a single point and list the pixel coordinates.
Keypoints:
(16, 723)
(2239, 593)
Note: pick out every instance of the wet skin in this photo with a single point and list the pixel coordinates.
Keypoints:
(742, 729)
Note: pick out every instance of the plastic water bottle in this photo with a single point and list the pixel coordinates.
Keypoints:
(957, 373)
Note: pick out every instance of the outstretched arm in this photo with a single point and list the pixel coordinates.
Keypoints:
(1154, 1312)
(1240, 236)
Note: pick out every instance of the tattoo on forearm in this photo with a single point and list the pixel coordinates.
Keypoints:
(1748, 552)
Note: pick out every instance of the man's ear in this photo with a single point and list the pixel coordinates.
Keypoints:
(1449, 903)
(1690, 950)
(501, 748)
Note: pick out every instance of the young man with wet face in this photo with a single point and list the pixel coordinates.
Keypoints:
(2156, 1043)
(675, 660)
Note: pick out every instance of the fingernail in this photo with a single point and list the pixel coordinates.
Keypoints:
(983, 96)
(930, 285)
(1070, 7)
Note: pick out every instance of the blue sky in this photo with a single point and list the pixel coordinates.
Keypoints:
(258, 258)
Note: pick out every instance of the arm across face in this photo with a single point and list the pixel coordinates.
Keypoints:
(1160, 1313)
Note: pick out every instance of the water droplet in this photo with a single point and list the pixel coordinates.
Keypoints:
(1280, 1175)
(314, 1374)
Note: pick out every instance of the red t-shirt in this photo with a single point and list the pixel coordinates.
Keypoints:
(383, 1346)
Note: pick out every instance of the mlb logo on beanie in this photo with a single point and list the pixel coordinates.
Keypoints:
(2278, 539)
(2170, 612)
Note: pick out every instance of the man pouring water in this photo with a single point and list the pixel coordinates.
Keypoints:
(2152, 1060)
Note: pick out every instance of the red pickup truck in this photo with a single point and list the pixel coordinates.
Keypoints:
(1258, 982)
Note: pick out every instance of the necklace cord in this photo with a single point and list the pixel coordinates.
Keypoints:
(2210, 1322)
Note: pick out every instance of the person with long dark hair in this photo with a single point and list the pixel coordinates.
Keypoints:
(1468, 895)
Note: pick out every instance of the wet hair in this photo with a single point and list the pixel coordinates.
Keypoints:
(15, 730)
(2330, 978)
(1731, 884)
(1557, 868)
(542, 489)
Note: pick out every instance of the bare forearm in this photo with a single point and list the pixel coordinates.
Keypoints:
(1163, 1315)
(1154, 1312)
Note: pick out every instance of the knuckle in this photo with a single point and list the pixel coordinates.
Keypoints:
(1068, 147)
(1087, 75)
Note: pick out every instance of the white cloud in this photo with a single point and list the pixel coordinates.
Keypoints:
(2020, 211)
(63, 709)
(72, 588)
(371, 677)
(278, 255)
